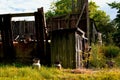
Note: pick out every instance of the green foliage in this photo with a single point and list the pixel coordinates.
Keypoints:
(102, 55)
(96, 14)
(63, 7)
(49, 14)
(115, 5)
(111, 51)
(117, 61)
(59, 8)
(116, 35)
(97, 59)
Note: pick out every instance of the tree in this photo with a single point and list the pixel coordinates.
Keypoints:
(117, 19)
(116, 35)
(60, 7)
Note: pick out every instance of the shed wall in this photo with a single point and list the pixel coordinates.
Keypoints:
(63, 48)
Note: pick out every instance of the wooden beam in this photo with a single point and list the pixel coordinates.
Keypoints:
(81, 14)
(88, 22)
(39, 25)
(20, 14)
(6, 33)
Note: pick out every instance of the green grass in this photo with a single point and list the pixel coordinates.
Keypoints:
(101, 55)
(8, 72)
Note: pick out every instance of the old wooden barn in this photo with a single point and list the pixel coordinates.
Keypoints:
(68, 39)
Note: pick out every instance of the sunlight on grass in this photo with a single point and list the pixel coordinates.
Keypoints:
(27, 73)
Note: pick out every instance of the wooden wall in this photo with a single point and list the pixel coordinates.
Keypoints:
(23, 28)
(63, 47)
(62, 22)
(25, 52)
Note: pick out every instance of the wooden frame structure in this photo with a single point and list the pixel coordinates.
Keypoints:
(6, 33)
(68, 34)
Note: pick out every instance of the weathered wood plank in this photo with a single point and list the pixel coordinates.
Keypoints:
(20, 14)
(39, 25)
(63, 48)
(6, 32)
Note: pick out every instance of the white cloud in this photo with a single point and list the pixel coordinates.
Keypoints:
(18, 6)
(11, 6)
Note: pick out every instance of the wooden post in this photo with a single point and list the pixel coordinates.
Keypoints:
(39, 24)
(88, 23)
(82, 6)
(7, 42)
(1, 22)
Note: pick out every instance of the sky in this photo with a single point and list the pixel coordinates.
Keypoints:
(104, 6)
(25, 6)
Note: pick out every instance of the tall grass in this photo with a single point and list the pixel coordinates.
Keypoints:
(102, 55)
(97, 59)
(8, 72)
